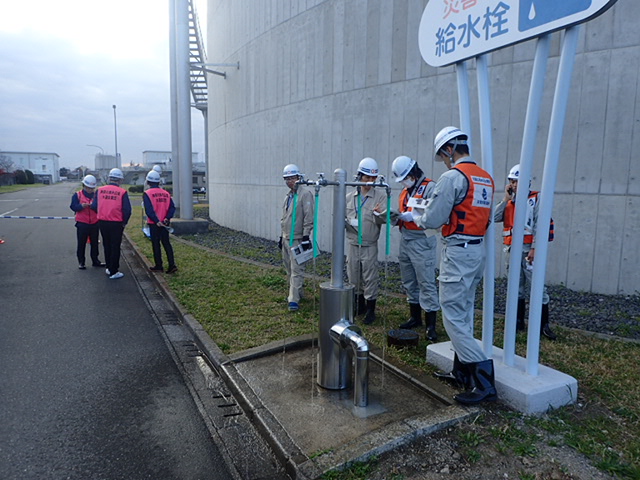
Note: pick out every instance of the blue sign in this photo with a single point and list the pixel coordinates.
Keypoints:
(534, 13)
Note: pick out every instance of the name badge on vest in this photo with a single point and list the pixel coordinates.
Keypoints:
(420, 190)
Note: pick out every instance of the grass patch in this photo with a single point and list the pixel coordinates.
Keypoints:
(17, 188)
(242, 305)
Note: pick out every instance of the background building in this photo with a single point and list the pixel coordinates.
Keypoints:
(157, 157)
(324, 83)
(45, 166)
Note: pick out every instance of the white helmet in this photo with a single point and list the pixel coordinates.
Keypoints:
(153, 177)
(116, 173)
(157, 168)
(514, 173)
(90, 181)
(447, 135)
(401, 167)
(290, 170)
(368, 166)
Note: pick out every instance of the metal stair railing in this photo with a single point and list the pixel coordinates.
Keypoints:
(197, 58)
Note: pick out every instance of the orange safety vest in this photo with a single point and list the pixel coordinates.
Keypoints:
(509, 216)
(472, 216)
(403, 199)
(110, 203)
(86, 215)
(160, 201)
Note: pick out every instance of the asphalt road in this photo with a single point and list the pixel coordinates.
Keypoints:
(88, 386)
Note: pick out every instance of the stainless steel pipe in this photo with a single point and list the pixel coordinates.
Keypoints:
(338, 338)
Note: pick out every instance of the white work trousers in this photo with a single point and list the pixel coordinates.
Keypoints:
(417, 259)
(294, 271)
(362, 269)
(461, 270)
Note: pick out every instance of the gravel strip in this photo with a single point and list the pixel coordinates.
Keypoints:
(617, 315)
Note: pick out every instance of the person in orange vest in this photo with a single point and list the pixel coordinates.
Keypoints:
(461, 206)
(505, 213)
(417, 253)
(114, 210)
(86, 222)
(159, 208)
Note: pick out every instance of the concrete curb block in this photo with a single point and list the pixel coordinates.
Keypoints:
(288, 453)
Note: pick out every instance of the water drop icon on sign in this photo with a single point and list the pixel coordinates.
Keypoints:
(534, 13)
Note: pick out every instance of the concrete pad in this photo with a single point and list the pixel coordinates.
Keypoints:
(321, 429)
(523, 392)
(189, 227)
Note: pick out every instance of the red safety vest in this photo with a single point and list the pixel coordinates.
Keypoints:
(86, 215)
(110, 203)
(509, 216)
(472, 216)
(403, 199)
(160, 201)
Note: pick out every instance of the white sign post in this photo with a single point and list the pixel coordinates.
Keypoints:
(451, 32)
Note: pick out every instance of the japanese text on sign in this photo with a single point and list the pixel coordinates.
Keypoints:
(455, 30)
(490, 24)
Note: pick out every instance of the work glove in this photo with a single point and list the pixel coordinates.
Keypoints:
(280, 243)
(406, 216)
(417, 213)
(305, 243)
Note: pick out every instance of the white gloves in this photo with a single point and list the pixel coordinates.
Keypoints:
(406, 216)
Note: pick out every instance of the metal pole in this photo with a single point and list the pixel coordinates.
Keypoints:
(536, 91)
(184, 108)
(339, 209)
(463, 99)
(115, 129)
(484, 103)
(552, 157)
(173, 105)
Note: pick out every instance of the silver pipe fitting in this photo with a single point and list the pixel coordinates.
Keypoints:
(347, 335)
(339, 207)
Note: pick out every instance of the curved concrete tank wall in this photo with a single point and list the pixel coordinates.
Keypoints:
(325, 83)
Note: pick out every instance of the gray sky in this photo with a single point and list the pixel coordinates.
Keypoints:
(64, 64)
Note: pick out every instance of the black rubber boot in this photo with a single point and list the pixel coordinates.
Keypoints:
(370, 316)
(484, 384)
(545, 329)
(458, 376)
(359, 305)
(520, 326)
(430, 320)
(416, 317)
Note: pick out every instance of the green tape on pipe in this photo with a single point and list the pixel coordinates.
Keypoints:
(359, 220)
(315, 225)
(293, 218)
(388, 247)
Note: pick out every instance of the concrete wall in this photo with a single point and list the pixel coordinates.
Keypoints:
(324, 83)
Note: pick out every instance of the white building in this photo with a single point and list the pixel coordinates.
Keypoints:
(157, 157)
(45, 166)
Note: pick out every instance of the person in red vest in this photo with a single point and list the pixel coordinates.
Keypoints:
(505, 212)
(461, 206)
(159, 208)
(112, 204)
(86, 222)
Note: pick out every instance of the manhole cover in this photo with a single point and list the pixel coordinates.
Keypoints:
(402, 338)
